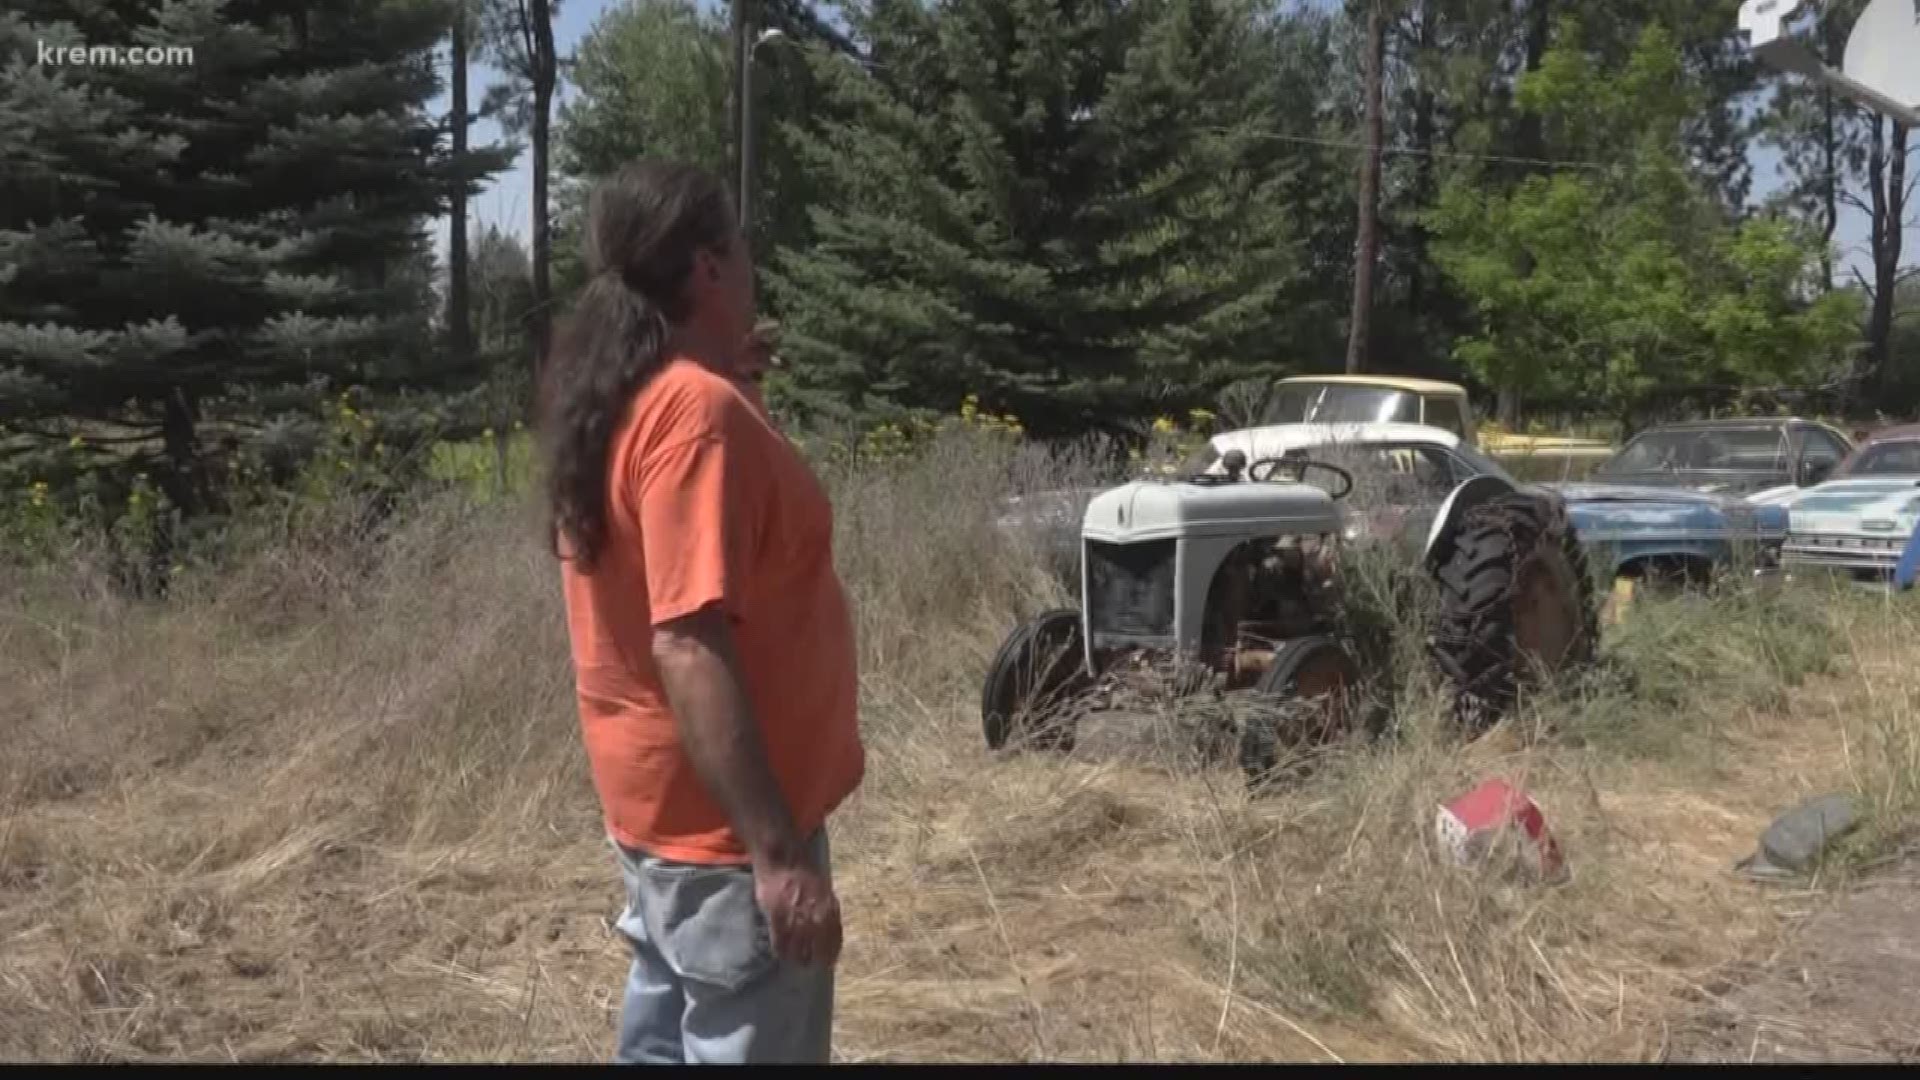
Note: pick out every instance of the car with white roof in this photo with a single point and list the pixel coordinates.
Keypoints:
(1862, 520)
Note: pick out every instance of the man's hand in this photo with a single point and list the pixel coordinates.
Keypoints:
(698, 670)
(802, 911)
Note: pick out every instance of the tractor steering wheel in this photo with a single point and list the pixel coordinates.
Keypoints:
(1264, 470)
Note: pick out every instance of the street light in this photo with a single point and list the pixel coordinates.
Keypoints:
(746, 124)
(1877, 71)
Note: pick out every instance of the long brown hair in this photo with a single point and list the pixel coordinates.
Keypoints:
(645, 224)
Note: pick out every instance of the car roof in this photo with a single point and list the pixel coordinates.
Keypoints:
(1731, 422)
(1392, 382)
(1358, 433)
(1900, 433)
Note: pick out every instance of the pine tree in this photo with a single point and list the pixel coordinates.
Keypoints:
(185, 245)
(1068, 209)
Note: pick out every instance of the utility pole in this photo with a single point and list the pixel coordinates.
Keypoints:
(747, 141)
(1367, 243)
(738, 105)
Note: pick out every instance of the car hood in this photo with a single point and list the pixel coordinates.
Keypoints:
(1631, 511)
(1713, 483)
(1588, 491)
(1891, 499)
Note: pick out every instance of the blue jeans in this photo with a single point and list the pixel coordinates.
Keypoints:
(705, 986)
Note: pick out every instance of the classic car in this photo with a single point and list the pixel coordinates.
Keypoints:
(1862, 520)
(1764, 460)
(1336, 399)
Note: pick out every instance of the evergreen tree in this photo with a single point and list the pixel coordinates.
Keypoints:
(1069, 209)
(182, 245)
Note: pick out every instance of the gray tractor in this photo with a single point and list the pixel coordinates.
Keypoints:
(1227, 582)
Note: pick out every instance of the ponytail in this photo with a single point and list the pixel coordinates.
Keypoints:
(614, 342)
(644, 226)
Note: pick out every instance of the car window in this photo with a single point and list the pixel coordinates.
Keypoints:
(1444, 412)
(1469, 463)
(1392, 475)
(1340, 403)
(1755, 449)
(1822, 448)
(1891, 458)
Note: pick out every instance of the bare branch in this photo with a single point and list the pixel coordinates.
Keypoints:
(522, 9)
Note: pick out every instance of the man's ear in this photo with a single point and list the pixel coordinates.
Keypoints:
(703, 265)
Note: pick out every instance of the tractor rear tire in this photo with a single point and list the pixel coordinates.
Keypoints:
(1307, 698)
(1517, 601)
(1031, 683)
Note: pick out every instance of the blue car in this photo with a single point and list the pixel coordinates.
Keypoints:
(1674, 534)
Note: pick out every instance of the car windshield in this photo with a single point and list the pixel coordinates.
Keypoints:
(1335, 403)
(1890, 458)
(1757, 449)
(1482, 464)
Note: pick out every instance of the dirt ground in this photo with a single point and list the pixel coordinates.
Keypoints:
(1845, 986)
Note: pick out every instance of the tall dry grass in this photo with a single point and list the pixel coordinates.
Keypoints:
(329, 802)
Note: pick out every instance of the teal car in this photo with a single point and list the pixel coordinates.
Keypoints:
(1862, 521)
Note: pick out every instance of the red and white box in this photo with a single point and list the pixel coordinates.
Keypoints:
(1469, 826)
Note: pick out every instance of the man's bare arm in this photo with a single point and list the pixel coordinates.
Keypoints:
(700, 675)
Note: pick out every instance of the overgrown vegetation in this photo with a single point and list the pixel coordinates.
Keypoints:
(292, 767)
(326, 800)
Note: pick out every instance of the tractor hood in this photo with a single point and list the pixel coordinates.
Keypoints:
(1167, 510)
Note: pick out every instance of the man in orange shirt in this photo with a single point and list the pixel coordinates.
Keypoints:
(713, 649)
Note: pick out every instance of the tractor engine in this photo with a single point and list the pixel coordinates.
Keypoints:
(1209, 573)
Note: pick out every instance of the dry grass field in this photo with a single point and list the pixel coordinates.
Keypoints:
(329, 803)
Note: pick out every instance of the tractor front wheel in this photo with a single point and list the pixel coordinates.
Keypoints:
(1032, 682)
(1307, 698)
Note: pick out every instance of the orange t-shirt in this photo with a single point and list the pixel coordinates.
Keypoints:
(710, 504)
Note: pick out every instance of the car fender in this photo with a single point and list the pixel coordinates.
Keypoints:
(1626, 530)
(1446, 522)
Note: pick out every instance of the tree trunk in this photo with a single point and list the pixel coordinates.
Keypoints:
(1367, 246)
(179, 439)
(1887, 176)
(1830, 183)
(459, 297)
(545, 70)
(1834, 40)
(1530, 140)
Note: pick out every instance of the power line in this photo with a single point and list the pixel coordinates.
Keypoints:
(1415, 151)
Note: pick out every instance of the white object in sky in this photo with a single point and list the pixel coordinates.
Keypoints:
(1881, 69)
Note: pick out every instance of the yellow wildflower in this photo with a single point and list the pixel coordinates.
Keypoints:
(1164, 425)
